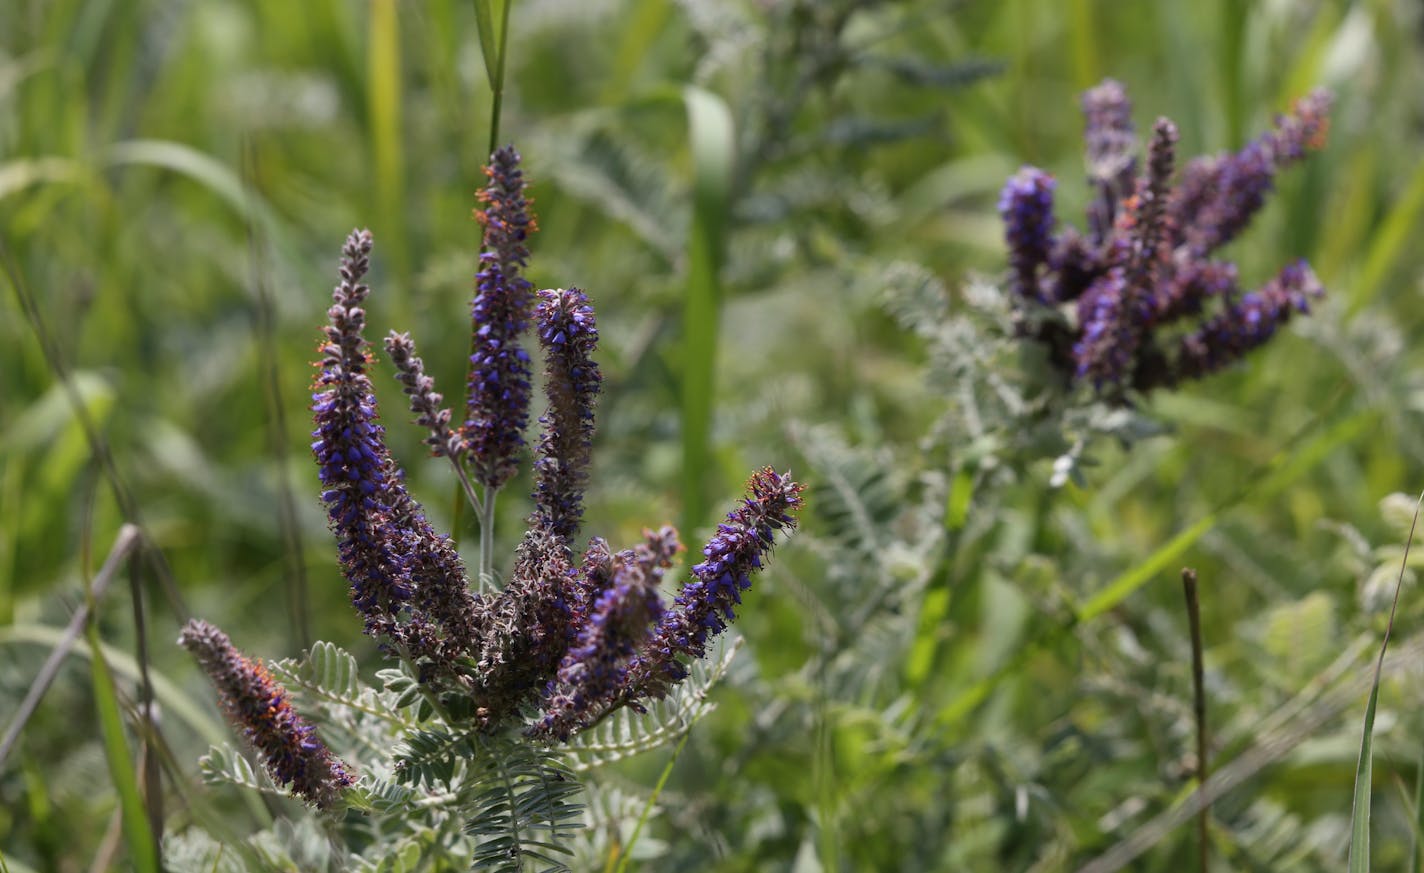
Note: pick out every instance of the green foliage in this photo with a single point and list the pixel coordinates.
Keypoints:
(977, 658)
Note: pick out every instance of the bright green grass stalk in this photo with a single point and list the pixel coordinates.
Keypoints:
(387, 130)
(713, 143)
(142, 847)
(1360, 814)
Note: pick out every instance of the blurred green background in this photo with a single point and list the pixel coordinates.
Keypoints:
(175, 182)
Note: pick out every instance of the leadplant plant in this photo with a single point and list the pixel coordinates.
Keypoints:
(1089, 323)
(470, 747)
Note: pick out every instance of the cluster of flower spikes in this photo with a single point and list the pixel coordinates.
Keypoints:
(572, 636)
(1149, 306)
(260, 707)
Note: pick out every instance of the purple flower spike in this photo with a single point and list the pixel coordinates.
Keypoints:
(593, 676)
(424, 399)
(1026, 206)
(1220, 194)
(498, 399)
(1111, 331)
(350, 449)
(569, 336)
(260, 706)
(1111, 153)
(707, 601)
(1249, 323)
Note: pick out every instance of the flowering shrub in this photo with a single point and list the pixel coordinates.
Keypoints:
(487, 678)
(1143, 268)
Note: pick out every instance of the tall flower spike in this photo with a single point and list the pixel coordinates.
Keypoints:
(569, 336)
(1026, 206)
(260, 706)
(1111, 153)
(350, 450)
(593, 675)
(1249, 323)
(707, 601)
(498, 399)
(1220, 194)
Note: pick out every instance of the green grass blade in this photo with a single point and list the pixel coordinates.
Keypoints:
(713, 142)
(1360, 814)
(188, 161)
(116, 750)
(485, 26)
(1391, 242)
(384, 103)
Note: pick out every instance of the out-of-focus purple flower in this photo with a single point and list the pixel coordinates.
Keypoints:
(1111, 331)
(1144, 262)
(498, 399)
(1111, 153)
(1248, 323)
(1189, 287)
(593, 675)
(1220, 194)
(350, 450)
(260, 706)
(1148, 233)
(707, 601)
(569, 336)
(1026, 206)
(1073, 264)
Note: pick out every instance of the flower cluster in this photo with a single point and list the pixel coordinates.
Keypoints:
(579, 635)
(259, 705)
(570, 637)
(1112, 306)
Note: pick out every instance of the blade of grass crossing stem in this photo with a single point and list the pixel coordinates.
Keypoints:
(1360, 814)
(713, 143)
(484, 26)
(111, 725)
(492, 24)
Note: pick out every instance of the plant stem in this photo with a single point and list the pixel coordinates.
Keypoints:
(497, 86)
(627, 854)
(1189, 587)
(487, 537)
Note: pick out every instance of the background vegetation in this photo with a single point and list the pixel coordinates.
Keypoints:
(956, 665)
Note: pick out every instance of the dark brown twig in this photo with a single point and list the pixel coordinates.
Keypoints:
(1189, 587)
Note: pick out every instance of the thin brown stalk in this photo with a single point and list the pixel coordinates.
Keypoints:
(1189, 587)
